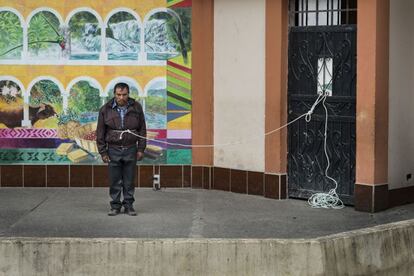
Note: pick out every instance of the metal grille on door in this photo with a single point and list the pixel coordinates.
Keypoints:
(322, 57)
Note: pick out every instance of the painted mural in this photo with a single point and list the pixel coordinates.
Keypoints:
(11, 44)
(123, 36)
(58, 67)
(85, 36)
(45, 38)
(11, 104)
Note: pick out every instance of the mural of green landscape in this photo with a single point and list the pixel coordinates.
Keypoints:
(44, 120)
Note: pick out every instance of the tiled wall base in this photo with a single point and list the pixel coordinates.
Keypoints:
(371, 198)
(171, 176)
(368, 198)
(401, 196)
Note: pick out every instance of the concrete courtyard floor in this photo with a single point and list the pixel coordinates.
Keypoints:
(175, 213)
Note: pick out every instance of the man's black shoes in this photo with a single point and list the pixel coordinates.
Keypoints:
(130, 211)
(114, 212)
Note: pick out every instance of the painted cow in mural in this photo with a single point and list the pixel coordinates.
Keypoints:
(13, 118)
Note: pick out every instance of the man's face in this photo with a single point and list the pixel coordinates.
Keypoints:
(121, 96)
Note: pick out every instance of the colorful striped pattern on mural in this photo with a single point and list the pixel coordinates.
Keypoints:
(178, 3)
(179, 87)
(28, 133)
(179, 111)
(179, 103)
(37, 156)
(178, 97)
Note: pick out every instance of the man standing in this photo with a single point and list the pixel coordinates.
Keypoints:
(121, 152)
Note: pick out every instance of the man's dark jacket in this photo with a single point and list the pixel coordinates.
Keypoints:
(109, 120)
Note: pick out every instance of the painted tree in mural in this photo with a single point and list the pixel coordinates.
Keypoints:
(11, 33)
(46, 91)
(169, 31)
(45, 37)
(84, 97)
(180, 33)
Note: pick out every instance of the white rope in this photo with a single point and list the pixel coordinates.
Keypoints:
(307, 115)
(330, 199)
(209, 145)
(317, 200)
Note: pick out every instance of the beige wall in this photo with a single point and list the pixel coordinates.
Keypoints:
(401, 97)
(239, 82)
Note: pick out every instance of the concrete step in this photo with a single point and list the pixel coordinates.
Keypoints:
(381, 250)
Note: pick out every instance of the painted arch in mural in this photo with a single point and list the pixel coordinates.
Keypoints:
(11, 102)
(85, 27)
(45, 37)
(85, 98)
(123, 34)
(167, 34)
(45, 95)
(156, 103)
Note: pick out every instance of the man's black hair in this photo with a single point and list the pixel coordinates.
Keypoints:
(122, 86)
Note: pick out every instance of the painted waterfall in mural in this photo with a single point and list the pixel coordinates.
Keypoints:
(57, 70)
(123, 37)
(85, 36)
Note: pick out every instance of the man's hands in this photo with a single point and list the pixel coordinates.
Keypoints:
(140, 155)
(106, 159)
